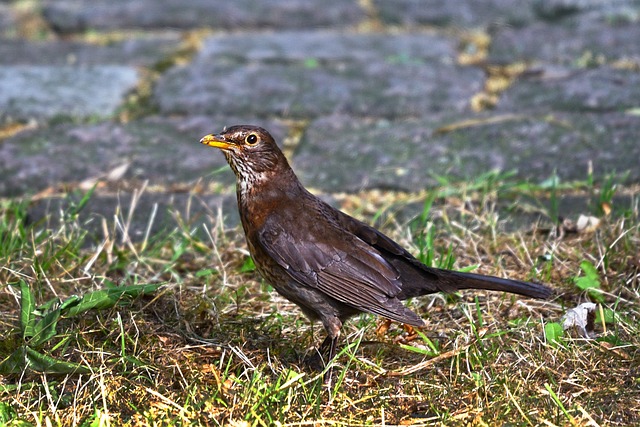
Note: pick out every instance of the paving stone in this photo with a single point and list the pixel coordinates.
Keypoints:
(159, 149)
(554, 10)
(70, 16)
(461, 13)
(326, 46)
(45, 92)
(8, 19)
(195, 209)
(305, 75)
(582, 42)
(498, 13)
(342, 153)
(537, 146)
(567, 89)
(144, 51)
(519, 213)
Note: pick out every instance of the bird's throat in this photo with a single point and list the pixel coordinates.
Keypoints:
(261, 194)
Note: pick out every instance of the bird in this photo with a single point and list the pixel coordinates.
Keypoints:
(333, 266)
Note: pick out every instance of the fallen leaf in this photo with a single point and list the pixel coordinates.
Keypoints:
(581, 318)
(587, 224)
(118, 172)
(618, 351)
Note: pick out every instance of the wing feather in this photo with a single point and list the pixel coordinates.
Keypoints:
(348, 269)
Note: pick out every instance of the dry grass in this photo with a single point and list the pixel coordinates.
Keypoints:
(217, 346)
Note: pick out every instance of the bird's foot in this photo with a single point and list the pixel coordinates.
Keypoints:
(314, 361)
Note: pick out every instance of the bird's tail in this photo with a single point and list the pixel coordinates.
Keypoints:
(455, 280)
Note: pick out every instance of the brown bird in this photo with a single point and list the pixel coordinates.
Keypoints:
(328, 263)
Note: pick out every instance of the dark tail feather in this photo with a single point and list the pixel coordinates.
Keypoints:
(459, 281)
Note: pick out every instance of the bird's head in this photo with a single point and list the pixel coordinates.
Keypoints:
(251, 152)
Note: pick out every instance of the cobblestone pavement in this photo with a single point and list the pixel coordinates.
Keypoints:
(365, 95)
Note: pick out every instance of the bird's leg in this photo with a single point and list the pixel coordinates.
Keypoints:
(317, 360)
(332, 343)
(328, 348)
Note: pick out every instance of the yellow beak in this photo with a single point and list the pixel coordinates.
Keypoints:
(214, 141)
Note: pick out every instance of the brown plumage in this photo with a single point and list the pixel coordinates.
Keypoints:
(328, 263)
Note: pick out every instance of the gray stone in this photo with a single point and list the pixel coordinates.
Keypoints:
(159, 149)
(461, 13)
(554, 10)
(343, 153)
(305, 75)
(326, 46)
(68, 16)
(349, 154)
(582, 42)
(562, 143)
(151, 212)
(46, 92)
(8, 20)
(564, 89)
(145, 51)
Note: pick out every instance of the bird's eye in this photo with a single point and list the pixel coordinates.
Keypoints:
(251, 139)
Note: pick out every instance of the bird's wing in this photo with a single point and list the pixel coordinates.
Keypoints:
(418, 279)
(340, 265)
(412, 272)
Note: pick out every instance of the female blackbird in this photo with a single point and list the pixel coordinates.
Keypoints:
(328, 263)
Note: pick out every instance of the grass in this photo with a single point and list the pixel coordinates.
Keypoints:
(214, 345)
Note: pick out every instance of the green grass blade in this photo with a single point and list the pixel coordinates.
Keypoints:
(107, 298)
(73, 300)
(43, 363)
(15, 363)
(431, 351)
(559, 404)
(7, 413)
(27, 305)
(45, 328)
(43, 309)
(76, 208)
(98, 300)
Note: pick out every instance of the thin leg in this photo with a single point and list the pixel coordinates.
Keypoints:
(332, 344)
(332, 325)
(316, 360)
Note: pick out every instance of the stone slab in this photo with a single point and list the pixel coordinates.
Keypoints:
(73, 16)
(574, 42)
(499, 14)
(8, 20)
(327, 46)
(159, 149)
(342, 153)
(460, 13)
(555, 10)
(45, 92)
(603, 89)
(156, 211)
(139, 51)
(536, 147)
(304, 75)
